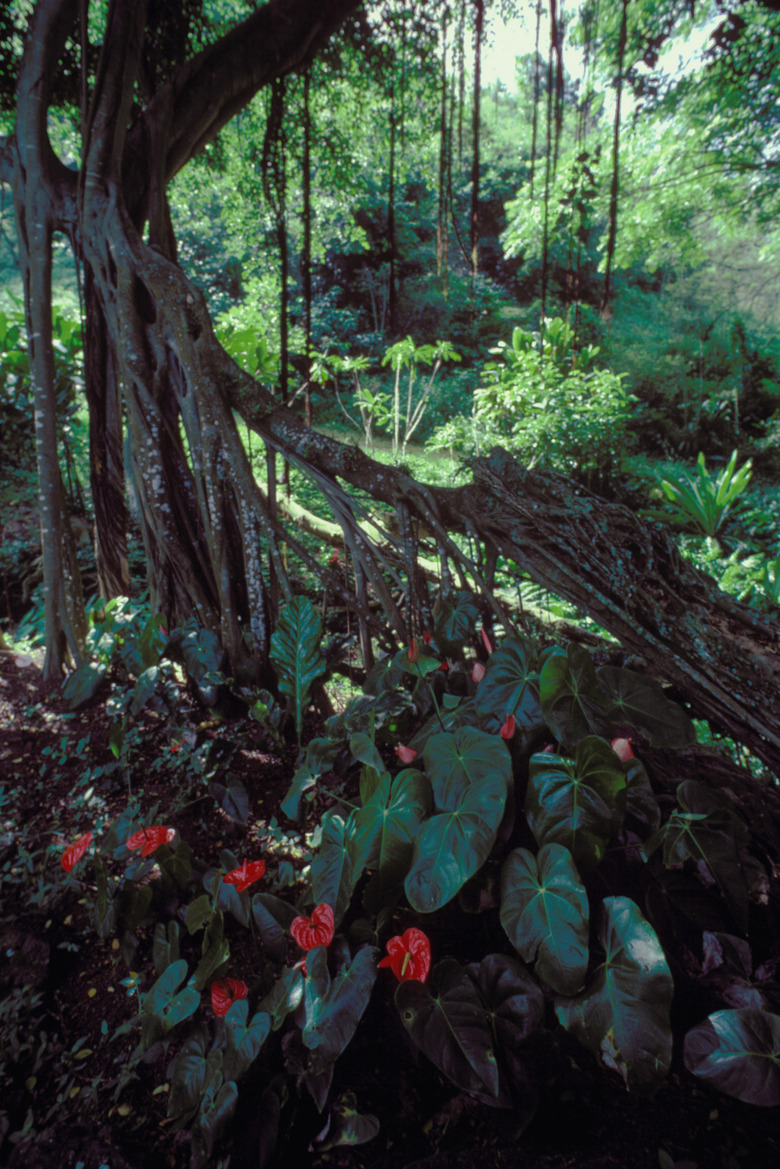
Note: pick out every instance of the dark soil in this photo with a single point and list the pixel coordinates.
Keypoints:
(79, 1111)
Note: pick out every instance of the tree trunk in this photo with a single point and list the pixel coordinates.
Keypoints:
(474, 216)
(606, 300)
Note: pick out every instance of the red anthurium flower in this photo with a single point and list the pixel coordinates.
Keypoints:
(225, 992)
(74, 852)
(444, 666)
(508, 729)
(150, 839)
(316, 930)
(427, 637)
(409, 956)
(245, 875)
(622, 748)
(405, 754)
(477, 672)
(486, 641)
(414, 653)
(334, 558)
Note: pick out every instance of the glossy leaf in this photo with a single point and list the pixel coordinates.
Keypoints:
(296, 653)
(447, 1019)
(394, 828)
(456, 622)
(573, 702)
(639, 702)
(622, 1016)
(544, 910)
(332, 877)
(710, 835)
(334, 1008)
(191, 1074)
(578, 803)
(273, 918)
(452, 846)
(244, 1040)
(738, 1052)
(458, 765)
(641, 804)
(515, 1004)
(233, 799)
(162, 1008)
(348, 1126)
(215, 950)
(509, 686)
(165, 947)
(285, 996)
(319, 758)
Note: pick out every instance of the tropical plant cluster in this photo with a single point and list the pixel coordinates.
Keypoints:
(486, 777)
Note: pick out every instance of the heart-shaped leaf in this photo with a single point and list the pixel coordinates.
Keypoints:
(459, 764)
(215, 951)
(544, 910)
(578, 803)
(319, 758)
(162, 1008)
(447, 1019)
(639, 702)
(452, 846)
(573, 702)
(285, 997)
(296, 653)
(334, 1008)
(244, 1040)
(332, 876)
(622, 1016)
(708, 833)
(389, 829)
(456, 622)
(739, 1053)
(510, 686)
(273, 917)
(190, 1074)
(515, 1003)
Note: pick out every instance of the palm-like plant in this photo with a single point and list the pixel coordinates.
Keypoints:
(707, 498)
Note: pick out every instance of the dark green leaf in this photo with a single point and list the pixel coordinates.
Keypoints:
(319, 758)
(394, 827)
(573, 702)
(450, 1024)
(243, 1040)
(334, 1009)
(456, 623)
(332, 877)
(640, 703)
(544, 910)
(739, 1053)
(285, 996)
(215, 950)
(459, 764)
(510, 686)
(622, 1016)
(273, 918)
(232, 799)
(579, 803)
(296, 653)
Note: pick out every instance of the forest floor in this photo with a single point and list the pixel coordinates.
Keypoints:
(62, 1000)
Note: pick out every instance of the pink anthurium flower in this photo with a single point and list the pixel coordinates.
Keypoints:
(622, 748)
(245, 875)
(405, 754)
(414, 653)
(508, 729)
(225, 992)
(74, 852)
(409, 956)
(486, 641)
(477, 672)
(150, 839)
(427, 638)
(316, 930)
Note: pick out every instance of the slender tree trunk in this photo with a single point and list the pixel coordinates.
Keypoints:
(474, 216)
(547, 184)
(392, 300)
(535, 114)
(606, 300)
(441, 221)
(306, 257)
(556, 40)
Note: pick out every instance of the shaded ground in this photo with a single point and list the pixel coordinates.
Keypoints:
(65, 1016)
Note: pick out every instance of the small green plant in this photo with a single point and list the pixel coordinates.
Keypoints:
(707, 499)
